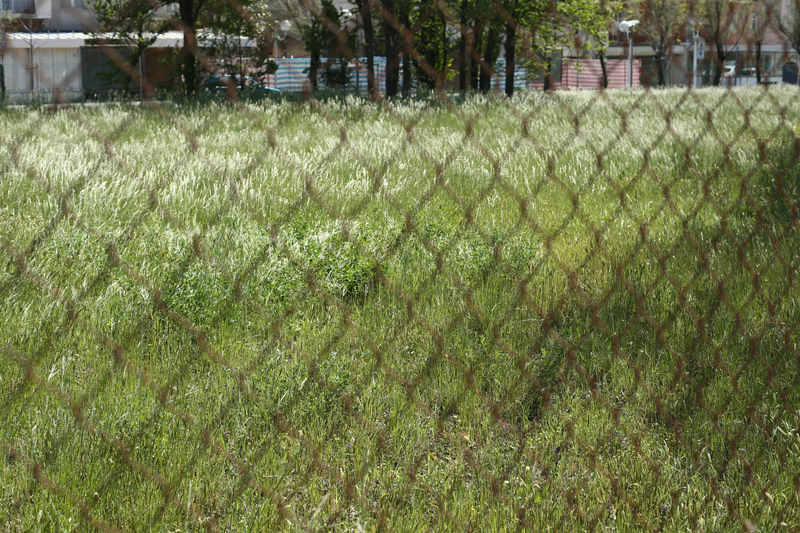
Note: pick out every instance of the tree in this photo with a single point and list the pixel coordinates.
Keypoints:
(132, 24)
(511, 44)
(661, 21)
(491, 52)
(189, 13)
(229, 20)
(407, 53)
(241, 35)
(28, 28)
(308, 15)
(432, 43)
(339, 47)
(756, 34)
(596, 28)
(393, 12)
(722, 24)
(482, 26)
(546, 30)
(321, 31)
(537, 28)
(547, 26)
(365, 12)
(226, 24)
(590, 18)
(788, 22)
(136, 23)
(463, 57)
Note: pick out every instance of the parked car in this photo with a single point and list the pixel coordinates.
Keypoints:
(730, 69)
(222, 82)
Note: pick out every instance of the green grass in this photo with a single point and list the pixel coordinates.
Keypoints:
(567, 312)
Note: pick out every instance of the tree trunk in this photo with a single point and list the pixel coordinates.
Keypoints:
(142, 80)
(365, 8)
(660, 70)
(462, 50)
(441, 74)
(313, 68)
(390, 40)
(189, 64)
(547, 85)
(405, 18)
(474, 69)
(473, 49)
(190, 60)
(487, 69)
(758, 62)
(511, 49)
(602, 56)
(719, 65)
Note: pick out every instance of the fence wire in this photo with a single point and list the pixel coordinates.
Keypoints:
(458, 310)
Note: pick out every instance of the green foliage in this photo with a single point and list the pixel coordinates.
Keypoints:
(434, 43)
(335, 73)
(721, 23)
(661, 22)
(231, 30)
(787, 22)
(125, 29)
(324, 32)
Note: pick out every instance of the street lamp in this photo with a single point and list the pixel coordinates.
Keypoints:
(626, 26)
(347, 16)
(698, 53)
(285, 26)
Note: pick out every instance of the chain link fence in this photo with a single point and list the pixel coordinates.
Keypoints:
(561, 310)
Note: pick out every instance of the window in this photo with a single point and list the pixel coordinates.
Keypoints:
(73, 4)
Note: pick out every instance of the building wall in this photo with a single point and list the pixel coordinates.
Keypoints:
(71, 15)
(42, 71)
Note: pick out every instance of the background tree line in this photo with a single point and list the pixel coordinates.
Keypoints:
(430, 42)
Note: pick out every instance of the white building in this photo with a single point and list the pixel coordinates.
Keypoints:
(42, 52)
(47, 49)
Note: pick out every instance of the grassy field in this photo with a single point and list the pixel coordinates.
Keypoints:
(564, 312)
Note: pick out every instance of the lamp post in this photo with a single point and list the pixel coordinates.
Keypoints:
(695, 36)
(626, 26)
(348, 16)
(698, 52)
(285, 26)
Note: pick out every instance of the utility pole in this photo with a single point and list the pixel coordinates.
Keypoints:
(698, 51)
(627, 26)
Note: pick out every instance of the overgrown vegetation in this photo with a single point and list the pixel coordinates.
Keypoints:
(567, 311)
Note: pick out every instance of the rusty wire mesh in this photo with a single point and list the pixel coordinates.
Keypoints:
(553, 311)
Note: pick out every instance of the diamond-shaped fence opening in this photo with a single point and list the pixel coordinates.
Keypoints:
(444, 270)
